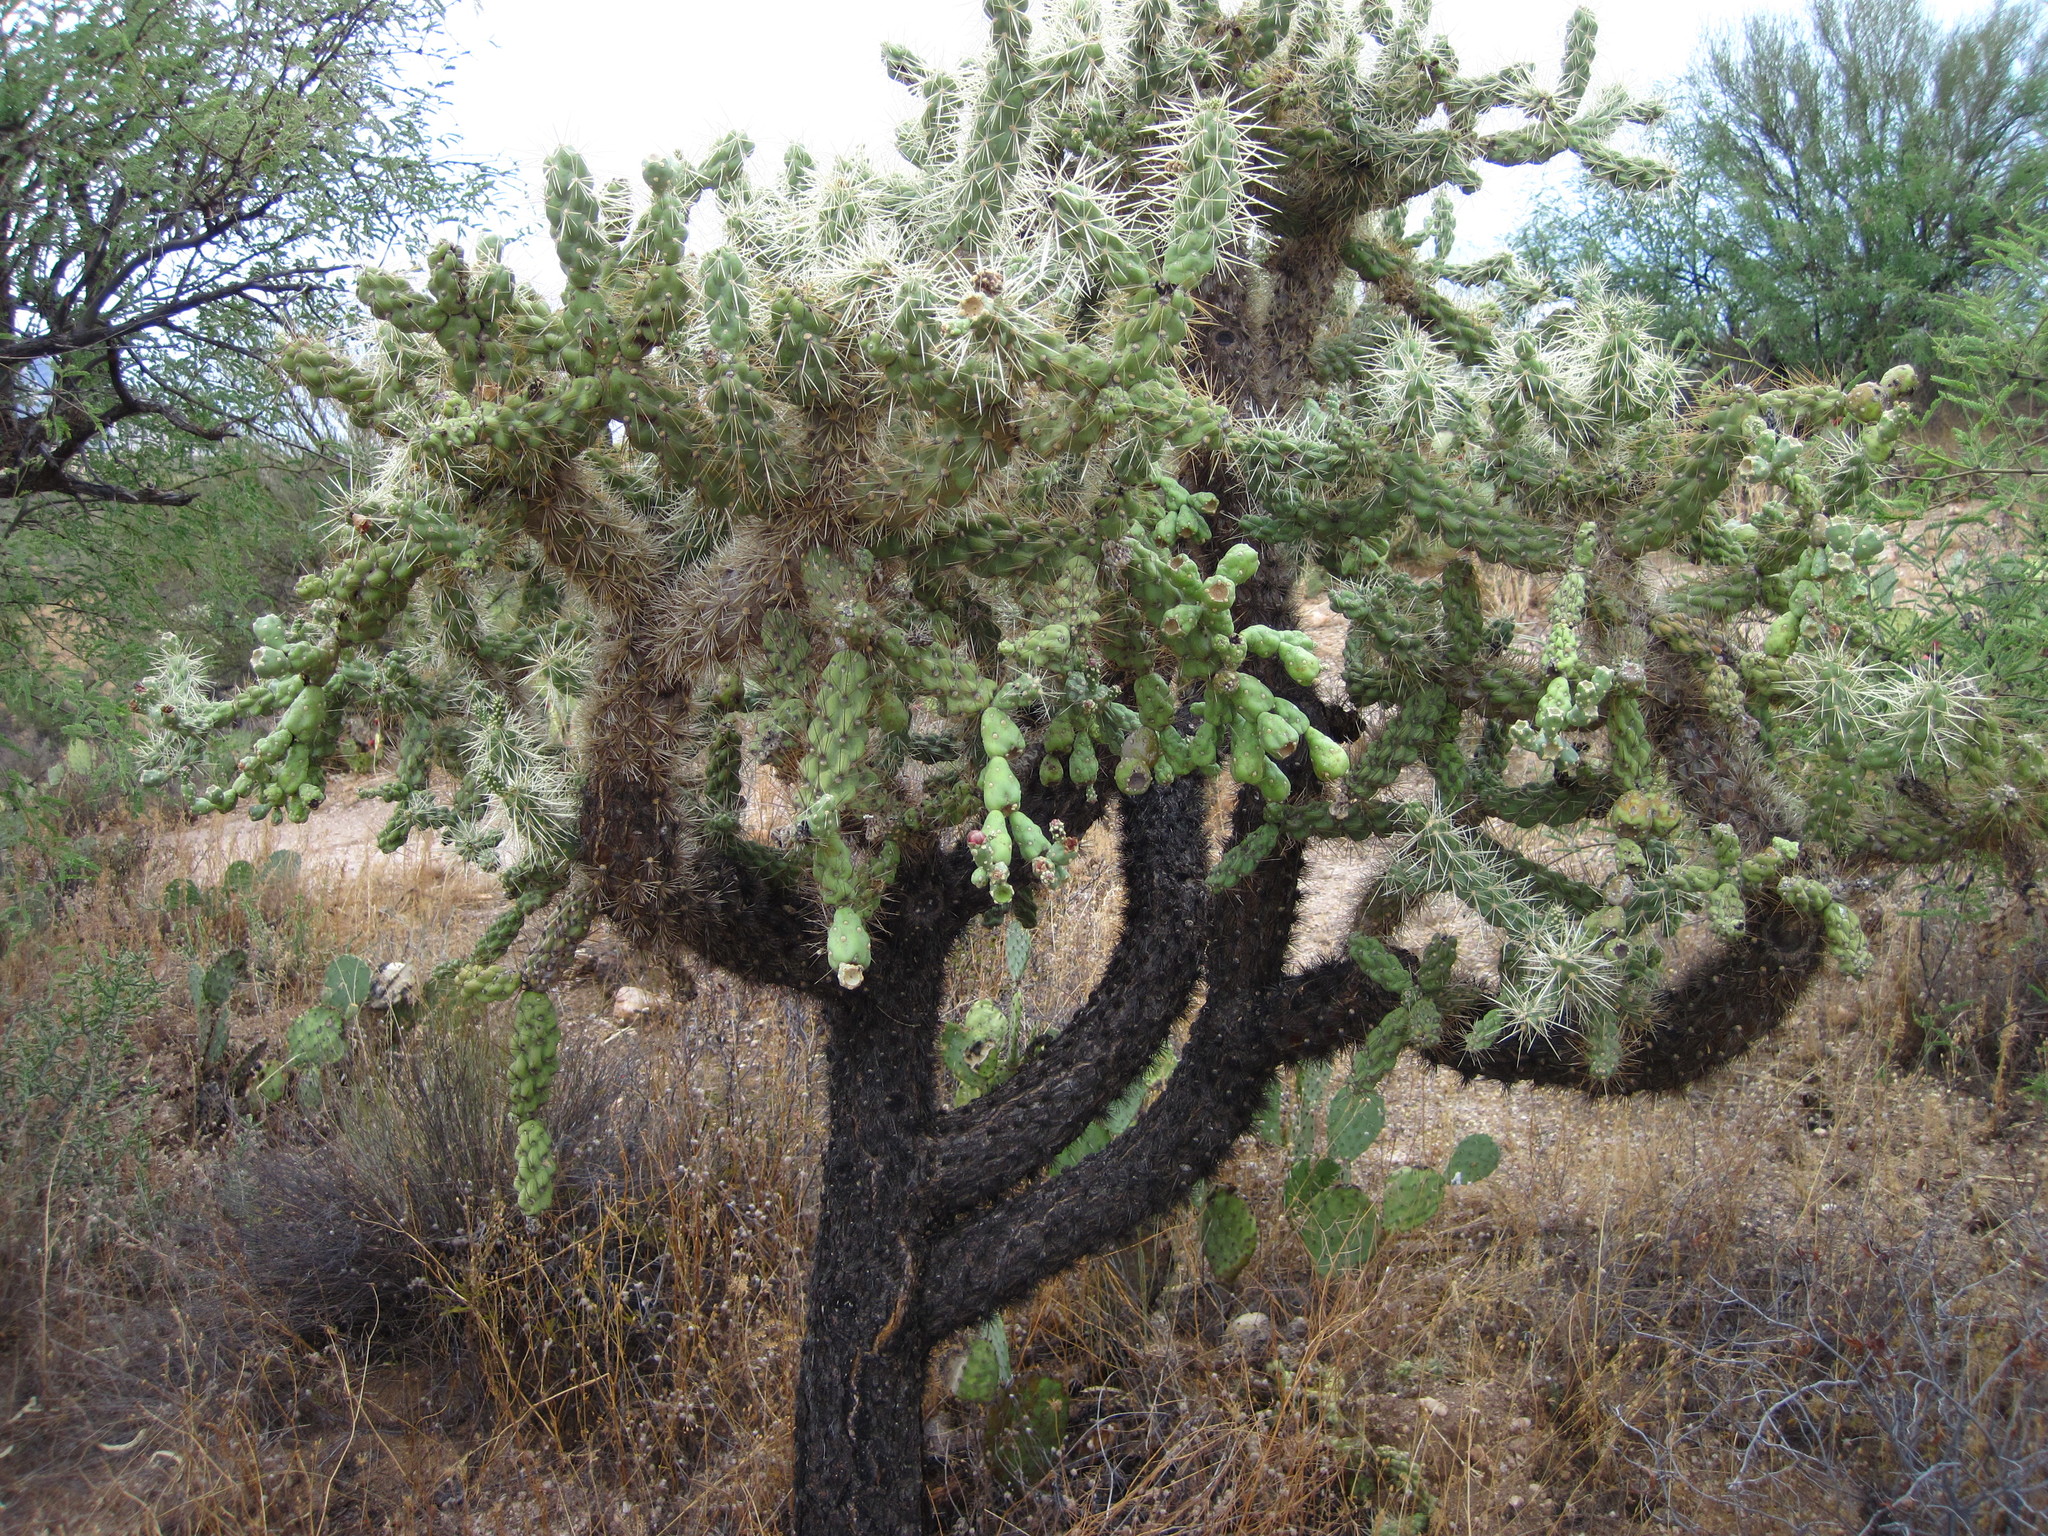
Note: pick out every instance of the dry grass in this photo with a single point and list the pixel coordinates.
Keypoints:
(1773, 1301)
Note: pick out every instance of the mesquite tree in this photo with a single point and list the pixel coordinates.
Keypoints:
(967, 500)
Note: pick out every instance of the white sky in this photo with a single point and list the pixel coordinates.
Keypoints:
(620, 79)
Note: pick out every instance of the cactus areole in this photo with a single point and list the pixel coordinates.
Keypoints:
(968, 494)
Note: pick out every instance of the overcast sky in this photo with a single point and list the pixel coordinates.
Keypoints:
(619, 79)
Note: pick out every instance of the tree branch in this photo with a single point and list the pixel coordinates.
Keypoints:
(1020, 1126)
(1711, 1015)
(1236, 1044)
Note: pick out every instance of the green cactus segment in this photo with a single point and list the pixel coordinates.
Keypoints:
(1308, 1177)
(315, 1039)
(847, 949)
(1411, 1198)
(1229, 1234)
(1340, 1229)
(1473, 1159)
(1026, 1427)
(1379, 963)
(1841, 930)
(536, 1054)
(535, 1168)
(347, 984)
(1353, 1122)
(980, 1374)
(1381, 1049)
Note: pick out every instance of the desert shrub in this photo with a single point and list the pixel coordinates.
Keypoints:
(74, 1098)
(1904, 1395)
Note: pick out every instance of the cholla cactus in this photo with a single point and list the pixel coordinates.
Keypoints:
(967, 500)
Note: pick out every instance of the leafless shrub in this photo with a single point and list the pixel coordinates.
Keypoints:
(1898, 1394)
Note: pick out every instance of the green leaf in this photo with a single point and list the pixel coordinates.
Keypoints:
(1477, 1156)
(1354, 1122)
(1307, 1178)
(281, 867)
(348, 983)
(1413, 1196)
(1340, 1230)
(239, 876)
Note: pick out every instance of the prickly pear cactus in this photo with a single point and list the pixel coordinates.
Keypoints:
(1229, 1233)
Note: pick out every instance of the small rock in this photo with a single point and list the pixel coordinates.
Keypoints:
(1297, 1329)
(1435, 1407)
(396, 986)
(636, 1003)
(1517, 1425)
(1249, 1336)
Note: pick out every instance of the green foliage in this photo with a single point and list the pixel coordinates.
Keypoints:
(176, 173)
(112, 579)
(1983, 557)
(1840, 175)
(74, 1093)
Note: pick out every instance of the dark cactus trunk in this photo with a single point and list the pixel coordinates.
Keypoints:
(859, 1422)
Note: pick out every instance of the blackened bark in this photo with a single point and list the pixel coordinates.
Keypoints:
(1016, 1129)
(1235, 1045)
(860, 1382)
(1711, 1015)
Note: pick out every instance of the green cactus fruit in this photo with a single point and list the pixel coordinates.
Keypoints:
(1083, 767)
(1229, 1234)
(1308, 1177)
(1031, 843)
(1353, 1122)
(1340, 1230)
(846, 947)
(1474, 1158)
(1782, 638)
(1641, 813)
(535, 1168)
(1412, 1196)
(1156, 704)
(1329, 760)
